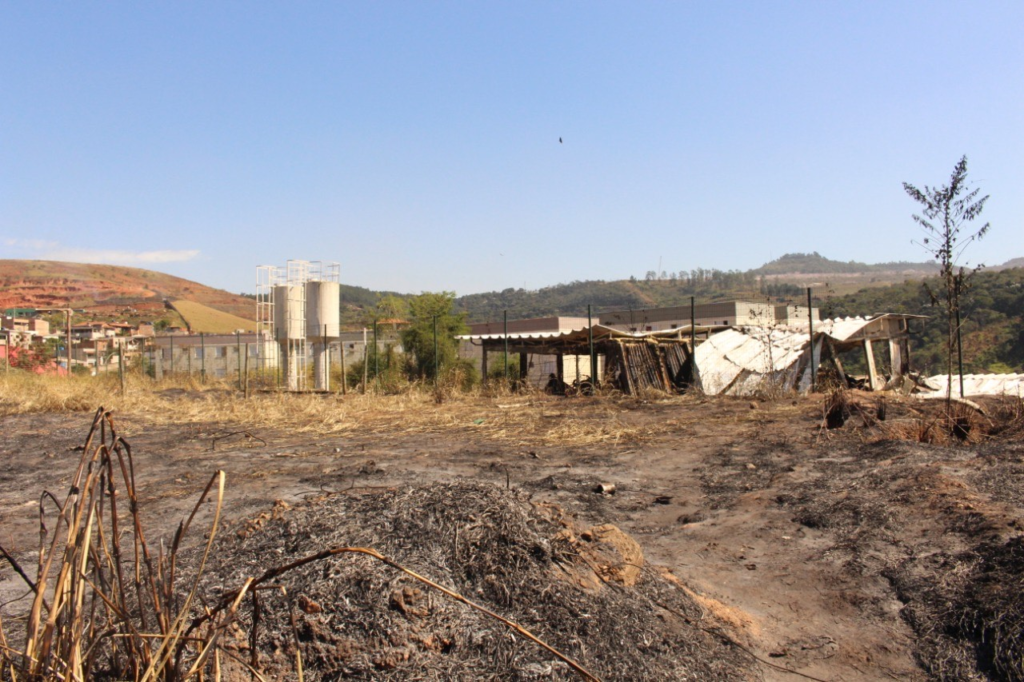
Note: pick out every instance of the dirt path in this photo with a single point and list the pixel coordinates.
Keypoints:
(784, 532)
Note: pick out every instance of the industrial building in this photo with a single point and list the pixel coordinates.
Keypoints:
(723, 313)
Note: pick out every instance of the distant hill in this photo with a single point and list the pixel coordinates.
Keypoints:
(816, 264)
(113, 288)
(994, 310)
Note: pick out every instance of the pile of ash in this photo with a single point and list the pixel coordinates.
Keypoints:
(585, 592)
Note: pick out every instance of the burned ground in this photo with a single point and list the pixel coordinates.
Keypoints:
(352, 617)
(844, 554)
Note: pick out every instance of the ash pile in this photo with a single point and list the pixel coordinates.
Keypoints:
(584, 592)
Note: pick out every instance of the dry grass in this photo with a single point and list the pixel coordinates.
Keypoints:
(201, 318)
(108, 605)
(960, 423)
(529, 418)
(102, 605)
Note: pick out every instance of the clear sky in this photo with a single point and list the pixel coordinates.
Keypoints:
(418, 143)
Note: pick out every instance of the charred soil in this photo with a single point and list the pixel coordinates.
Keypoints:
(725, 539)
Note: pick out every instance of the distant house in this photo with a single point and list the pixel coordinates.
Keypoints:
(36, 325)
(93, 330)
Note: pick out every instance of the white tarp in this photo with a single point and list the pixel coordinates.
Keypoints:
(975, 385)
(744, 360)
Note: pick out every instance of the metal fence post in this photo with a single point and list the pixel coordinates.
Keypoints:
(238, 357)
(590, 342)
(810, 333)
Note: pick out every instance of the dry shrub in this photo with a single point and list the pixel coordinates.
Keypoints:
(103, 608)
(837, 409)
(955, 424)
(915, 430)
(1006, 416)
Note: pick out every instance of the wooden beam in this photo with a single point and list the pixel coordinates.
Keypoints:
(895, 358)
(870, 357)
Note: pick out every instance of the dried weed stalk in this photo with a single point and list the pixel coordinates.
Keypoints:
(100, 606)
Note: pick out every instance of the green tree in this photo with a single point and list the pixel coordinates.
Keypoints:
(427, 312)
(946, 213)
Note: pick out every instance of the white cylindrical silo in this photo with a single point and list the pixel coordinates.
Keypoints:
(290, 329)
(289, 312)
(323, 323)
(323, 310)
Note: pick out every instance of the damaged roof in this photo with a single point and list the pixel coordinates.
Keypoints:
(601, 333)
(741, 360)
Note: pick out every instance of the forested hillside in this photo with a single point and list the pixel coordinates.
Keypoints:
(993, 320)
(815, 263)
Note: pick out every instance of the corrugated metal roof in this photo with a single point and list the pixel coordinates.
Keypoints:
(742, 359)
(843, 328)
(737, 360)
(600, 333)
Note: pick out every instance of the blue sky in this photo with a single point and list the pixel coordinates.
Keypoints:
(417, 143)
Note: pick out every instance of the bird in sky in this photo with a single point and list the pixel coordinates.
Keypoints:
(559, 140)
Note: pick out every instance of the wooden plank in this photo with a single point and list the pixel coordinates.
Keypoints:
(870, 357)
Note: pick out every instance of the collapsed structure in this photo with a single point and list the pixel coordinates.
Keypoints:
(630, 361)
(743, 360)
(714, 358)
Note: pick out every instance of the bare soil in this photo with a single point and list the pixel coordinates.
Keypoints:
(836, 554)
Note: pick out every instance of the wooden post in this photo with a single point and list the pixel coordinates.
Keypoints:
(238, 356)
(67, 315)
(344, 377)
(524, 366)
(870, 357)
(483, 363)
(560, 367)
(895, 358)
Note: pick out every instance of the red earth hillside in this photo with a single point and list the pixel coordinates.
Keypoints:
(44, 284)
